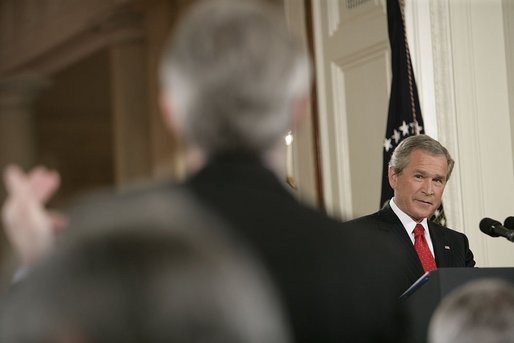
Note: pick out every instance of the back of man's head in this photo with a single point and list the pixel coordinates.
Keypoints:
(150, 272)
(232, 73)
(481, 311)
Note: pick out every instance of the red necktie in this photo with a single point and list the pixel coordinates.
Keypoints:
(421, 246)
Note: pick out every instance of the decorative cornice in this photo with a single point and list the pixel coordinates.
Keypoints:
(54, 37)
(22, 90)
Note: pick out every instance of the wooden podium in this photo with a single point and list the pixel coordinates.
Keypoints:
(422, 298)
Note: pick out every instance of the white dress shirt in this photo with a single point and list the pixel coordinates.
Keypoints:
(409, 224)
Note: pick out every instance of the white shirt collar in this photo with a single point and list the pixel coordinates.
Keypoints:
(406, 220)
(409, 224)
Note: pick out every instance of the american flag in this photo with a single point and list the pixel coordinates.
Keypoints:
(404, 117)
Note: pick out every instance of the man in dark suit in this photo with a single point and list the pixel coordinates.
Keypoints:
(326, 276)
(418, 172)
(233, 83)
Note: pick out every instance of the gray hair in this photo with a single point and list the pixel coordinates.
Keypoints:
(481, 311)
(232, 71)
(147, 267)
(401, 155)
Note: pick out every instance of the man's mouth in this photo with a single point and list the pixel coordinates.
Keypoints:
(425, 202)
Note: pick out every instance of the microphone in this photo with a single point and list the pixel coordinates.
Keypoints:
(509, 223)
(494, 228)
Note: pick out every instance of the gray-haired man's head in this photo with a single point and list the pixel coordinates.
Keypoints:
(232, 73)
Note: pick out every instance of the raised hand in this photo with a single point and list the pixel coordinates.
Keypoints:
(29, 226)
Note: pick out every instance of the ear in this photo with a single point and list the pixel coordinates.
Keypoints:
(299, 111)
(393, 177)
(167, 111)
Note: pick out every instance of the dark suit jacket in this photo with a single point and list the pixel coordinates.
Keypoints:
(451, 248)
(336, 283)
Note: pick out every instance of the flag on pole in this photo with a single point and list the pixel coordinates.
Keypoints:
(404, 115)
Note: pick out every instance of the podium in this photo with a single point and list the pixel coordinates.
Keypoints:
(422, 298)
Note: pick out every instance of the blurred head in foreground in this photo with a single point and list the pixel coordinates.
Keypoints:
(233, 78)
(147, 269)
(481, 311)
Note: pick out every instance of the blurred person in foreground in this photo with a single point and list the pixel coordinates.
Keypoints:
(477, 312)
(419, 169)
(153, 268)
(234, 81)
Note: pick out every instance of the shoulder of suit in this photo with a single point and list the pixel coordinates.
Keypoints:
(366, 220)
(435, 226)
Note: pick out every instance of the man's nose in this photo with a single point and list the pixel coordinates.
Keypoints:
(428, 187)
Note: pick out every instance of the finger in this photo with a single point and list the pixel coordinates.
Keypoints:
(43, 182)
(13, 178)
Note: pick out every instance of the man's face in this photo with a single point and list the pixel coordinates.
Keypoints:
(419, 187)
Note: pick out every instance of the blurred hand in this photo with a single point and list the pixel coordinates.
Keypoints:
(29, 226)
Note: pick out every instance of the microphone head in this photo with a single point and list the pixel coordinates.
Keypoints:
(509, 223)
(487, 225)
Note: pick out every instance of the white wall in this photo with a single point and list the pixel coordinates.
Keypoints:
(472, 113)
(353, 76)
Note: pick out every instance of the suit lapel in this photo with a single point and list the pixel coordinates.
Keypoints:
(442, 248)
(395, 227)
